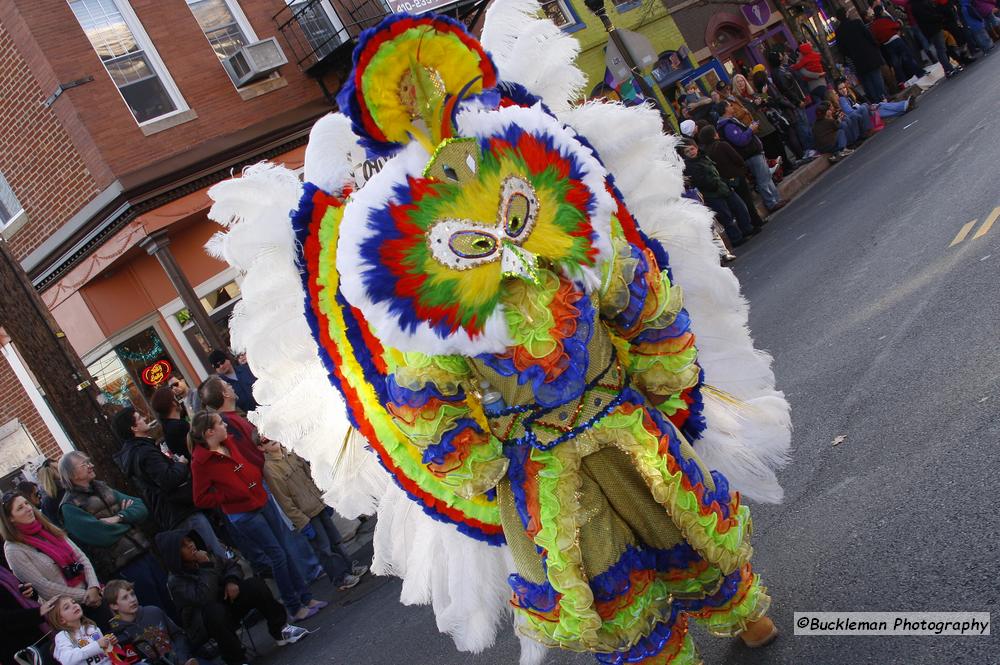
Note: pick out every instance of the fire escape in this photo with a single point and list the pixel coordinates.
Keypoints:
(321, 34)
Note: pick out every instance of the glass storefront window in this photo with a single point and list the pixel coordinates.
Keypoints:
(113, 380)
(219, 304)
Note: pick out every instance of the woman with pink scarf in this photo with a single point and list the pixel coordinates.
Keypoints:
(41, 555)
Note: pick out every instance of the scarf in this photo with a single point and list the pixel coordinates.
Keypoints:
(13, 586)
(52, 546)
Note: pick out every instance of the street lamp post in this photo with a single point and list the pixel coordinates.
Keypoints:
(598, 8)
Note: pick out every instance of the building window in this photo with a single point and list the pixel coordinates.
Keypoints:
(319, 24)
(224, 25)
(123, 46)
(555, 10)
(9, 205)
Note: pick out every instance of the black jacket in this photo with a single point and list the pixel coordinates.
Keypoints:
(705, 176)
(193, 588)
(929, 17)
(857, 43)
(787, 85)
(165, 483)
(175, 431)
(243, 385)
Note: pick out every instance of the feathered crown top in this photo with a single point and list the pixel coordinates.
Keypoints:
(409, 75)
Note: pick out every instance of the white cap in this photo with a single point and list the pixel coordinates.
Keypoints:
(688, 128)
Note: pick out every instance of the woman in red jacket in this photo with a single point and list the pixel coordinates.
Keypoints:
(223, 478)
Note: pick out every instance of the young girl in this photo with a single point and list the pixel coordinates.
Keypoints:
(79, 640)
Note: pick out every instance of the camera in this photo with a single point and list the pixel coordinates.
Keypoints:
(72, 570)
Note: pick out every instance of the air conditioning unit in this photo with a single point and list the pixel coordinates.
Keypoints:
(255, 61)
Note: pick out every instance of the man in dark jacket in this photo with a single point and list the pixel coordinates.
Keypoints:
(732, 168)
(857, 44)
(213, 596)
(728, 208)
(165, 483)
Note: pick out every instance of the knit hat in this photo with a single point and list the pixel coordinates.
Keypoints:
(757, 68)
(688, 128)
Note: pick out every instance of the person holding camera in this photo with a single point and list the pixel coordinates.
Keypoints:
(40, 554)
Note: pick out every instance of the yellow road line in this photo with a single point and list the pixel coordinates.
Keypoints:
(963, 232)
(985, 228)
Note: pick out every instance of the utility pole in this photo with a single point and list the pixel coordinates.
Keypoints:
(655, 96)
(64, 380)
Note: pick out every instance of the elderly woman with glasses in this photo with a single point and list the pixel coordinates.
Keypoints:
(40, 554)
(105, 522)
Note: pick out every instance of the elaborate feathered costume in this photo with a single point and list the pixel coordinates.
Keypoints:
(511, 346)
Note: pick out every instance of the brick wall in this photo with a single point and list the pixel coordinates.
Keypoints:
(14, 403)
(37, 156)
(191, 63)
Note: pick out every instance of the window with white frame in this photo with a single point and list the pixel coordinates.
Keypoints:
(319, 23)
(224, 25)
(10, 207)
(133, 64)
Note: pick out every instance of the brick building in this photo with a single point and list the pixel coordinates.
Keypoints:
(116, 117)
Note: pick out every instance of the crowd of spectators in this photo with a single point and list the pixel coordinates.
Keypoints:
(771, 119)
(232, 514)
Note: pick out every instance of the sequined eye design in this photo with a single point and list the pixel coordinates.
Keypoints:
(473, 244)
(518, 208)
(462, 244)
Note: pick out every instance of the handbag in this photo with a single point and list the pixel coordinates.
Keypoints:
(39, 653)
(877, 123)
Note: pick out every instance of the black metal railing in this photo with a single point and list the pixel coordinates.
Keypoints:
(317, 30)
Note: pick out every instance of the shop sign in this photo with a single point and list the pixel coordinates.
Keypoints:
(756, 14)
(156, 373)
(417, 6)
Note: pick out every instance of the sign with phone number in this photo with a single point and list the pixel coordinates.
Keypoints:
(417, 6)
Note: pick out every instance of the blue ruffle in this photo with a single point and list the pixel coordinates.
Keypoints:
(437, 453)
(415, 399)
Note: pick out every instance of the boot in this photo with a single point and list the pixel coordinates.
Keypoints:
(760, 633)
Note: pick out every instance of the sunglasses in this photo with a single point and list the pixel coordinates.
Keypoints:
(8, 497)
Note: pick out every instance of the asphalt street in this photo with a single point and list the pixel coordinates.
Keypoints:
(878, 300)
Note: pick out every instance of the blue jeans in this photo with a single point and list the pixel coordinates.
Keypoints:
(840, 144)
(982, 40)
(198, 523)
(762, 175)
(891, 109)
(326, 544)
(150, 582)
(266, 528)
(732, 214)
(874, 85)
(804, 129)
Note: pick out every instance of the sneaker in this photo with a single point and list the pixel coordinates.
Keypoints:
(317, 605)
(728, 258)
(291, 634)
(359, 569)
(349, 582)
(810, 154)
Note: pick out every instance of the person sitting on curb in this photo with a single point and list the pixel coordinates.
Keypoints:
(213, 596)
(829, 134)
(145, 633)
